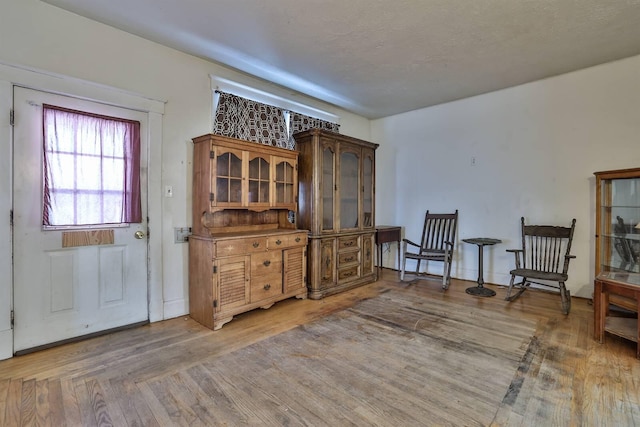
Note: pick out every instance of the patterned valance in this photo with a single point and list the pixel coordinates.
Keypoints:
(242, 118)
(300, 122)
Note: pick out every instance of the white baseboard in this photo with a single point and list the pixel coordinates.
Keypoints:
(175, 308)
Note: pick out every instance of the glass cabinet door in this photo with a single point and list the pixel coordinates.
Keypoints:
(259, 181)
(367, 186)
(285, 183)
(227, 179)
(349, 186)
(619, 225)
(327, 189)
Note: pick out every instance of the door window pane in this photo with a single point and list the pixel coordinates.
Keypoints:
(91, 169)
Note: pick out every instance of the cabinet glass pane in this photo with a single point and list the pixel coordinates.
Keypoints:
(620, 225)
(229, 178)
(348, 190)
(367, 200)
(284, 183)
(258, 181)
(327, 189)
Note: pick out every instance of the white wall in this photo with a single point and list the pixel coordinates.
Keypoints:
(535, 146)
(42, 37)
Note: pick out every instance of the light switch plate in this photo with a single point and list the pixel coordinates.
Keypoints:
(181, 234)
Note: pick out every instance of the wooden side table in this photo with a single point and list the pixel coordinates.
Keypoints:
(481, 242)
(387, 234)
(627, 328)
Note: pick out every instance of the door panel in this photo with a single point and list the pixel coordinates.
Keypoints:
(62, 291)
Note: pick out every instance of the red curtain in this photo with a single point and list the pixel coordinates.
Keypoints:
(91, 168)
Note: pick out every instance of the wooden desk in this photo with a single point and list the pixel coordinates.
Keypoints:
(627, 328)
(387, 234)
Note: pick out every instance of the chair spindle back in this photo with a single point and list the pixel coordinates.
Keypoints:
(545, 247)
(438, 229)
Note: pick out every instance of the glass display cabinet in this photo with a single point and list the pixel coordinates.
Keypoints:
(617, 263)
(618, 221)
(337, 205)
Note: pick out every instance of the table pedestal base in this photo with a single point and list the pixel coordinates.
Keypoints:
(480, 291)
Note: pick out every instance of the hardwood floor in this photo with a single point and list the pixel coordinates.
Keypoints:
(138, 377)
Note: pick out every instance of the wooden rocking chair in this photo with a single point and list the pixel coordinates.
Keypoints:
(437, 244)
(545, 255)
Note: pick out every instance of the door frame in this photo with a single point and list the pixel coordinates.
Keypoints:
(10, 76)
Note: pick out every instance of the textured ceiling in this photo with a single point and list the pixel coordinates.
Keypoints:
(377, 58)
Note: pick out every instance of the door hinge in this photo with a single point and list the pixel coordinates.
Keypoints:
(13, 318)
(215, 269)
(212, 197)
(215, 303)
(212, 154)
(12, 117)
(11, 218)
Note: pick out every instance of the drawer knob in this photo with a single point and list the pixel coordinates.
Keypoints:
(256, 244)
(278, 242)
(267, 263)
(349, 259)
(297, 239)
(267, 287)
(349, 274)
(348, 244)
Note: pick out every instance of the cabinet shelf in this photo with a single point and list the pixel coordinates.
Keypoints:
(623, 327)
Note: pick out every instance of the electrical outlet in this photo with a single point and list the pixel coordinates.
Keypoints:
(473, 161)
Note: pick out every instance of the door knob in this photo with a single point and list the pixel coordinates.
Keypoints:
(139, 234)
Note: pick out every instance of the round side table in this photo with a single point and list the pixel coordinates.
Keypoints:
(481, 242)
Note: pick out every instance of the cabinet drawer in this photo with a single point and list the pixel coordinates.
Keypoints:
(266, 263)
(348, 242)
(350, 273)
(266, 286)
(240, 246)
(286, 241)
(346, 258)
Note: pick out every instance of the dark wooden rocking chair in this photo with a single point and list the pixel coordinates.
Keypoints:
(545, 255)
(437, 244)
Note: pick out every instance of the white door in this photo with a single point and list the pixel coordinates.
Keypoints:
(62, 292)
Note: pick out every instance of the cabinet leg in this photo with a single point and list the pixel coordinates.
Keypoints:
(219, 322)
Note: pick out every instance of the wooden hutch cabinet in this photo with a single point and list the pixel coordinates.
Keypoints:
(336, 203)
(617, 263)
(245, 251)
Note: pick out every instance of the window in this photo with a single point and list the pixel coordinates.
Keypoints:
(91, 169)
